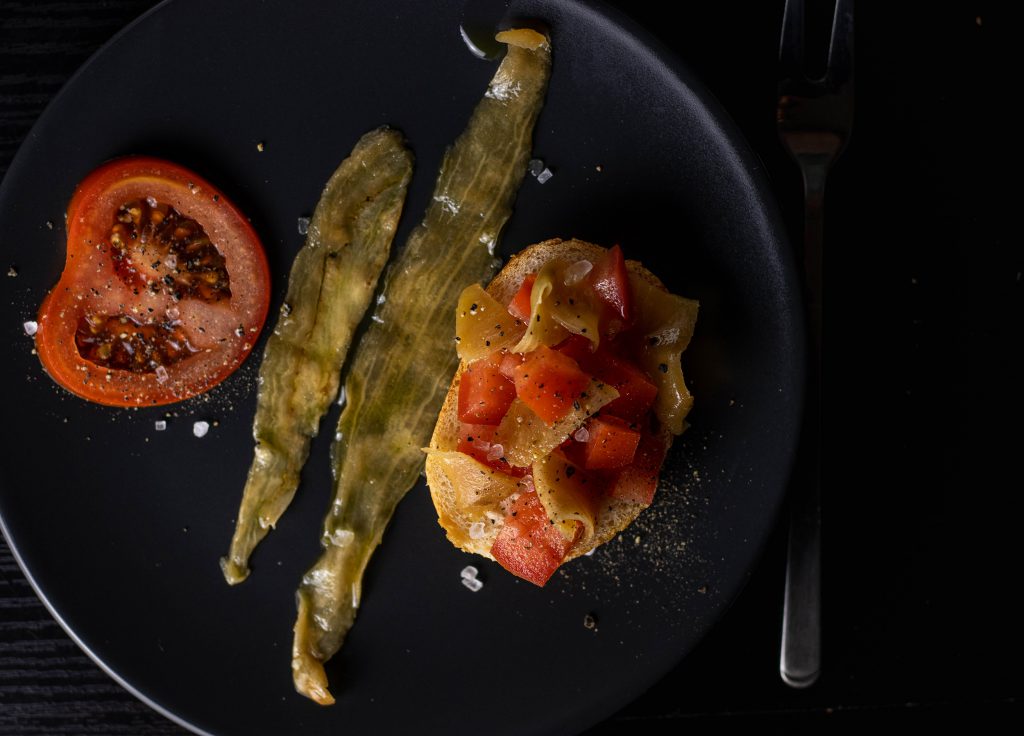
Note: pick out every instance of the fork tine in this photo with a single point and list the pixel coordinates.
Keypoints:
(840, 52)
(791, 45)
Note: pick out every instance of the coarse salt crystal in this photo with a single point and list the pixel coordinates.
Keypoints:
(544, 175)
(476, 530)
(161, 374)
(31, 328)
(469, 572)
(496, 452)
(577, 271)
(535, 166)
(582, 435)
(303, 224)
(473, 584)
(200, 428)
(160, 425)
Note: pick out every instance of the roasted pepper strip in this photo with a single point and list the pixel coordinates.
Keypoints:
(402, 366)
(332, 282)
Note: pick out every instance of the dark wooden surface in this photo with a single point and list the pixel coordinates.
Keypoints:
(923, 305)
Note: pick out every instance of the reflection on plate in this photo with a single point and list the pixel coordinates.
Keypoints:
(123, 533)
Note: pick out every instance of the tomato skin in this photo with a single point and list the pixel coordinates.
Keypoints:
(549, 382)
(528, 545)
(485, 393)
(224, 332)
(610, 280)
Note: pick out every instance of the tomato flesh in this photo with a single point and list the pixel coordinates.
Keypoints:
(529, 545)
(638, 481)
(485, 394)
(636, 391)
(611, 443)
(508, 364)
(519, 307)
(549, 383)
(164, 291)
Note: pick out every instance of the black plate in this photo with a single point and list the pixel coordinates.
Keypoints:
(120, 527)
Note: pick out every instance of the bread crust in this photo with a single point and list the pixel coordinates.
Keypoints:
(615, 514)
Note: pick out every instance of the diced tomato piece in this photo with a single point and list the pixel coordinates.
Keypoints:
(638, 481)
(484, 393)
(636, 391)
(611, 444)
(529, 545)
(519, 307)
(478, 441)
(609, 279)
(509, 361)
(549, 382)
(580, 349)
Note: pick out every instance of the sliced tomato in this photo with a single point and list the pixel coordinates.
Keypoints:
(164, 292)
(611, 443)
(485, 394)
(480, 441)
(519, 307)
(638, 481)
(529, 545)
(549, 383)
(636, 391)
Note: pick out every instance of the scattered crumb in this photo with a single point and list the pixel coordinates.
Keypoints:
(49, 225)
(599, 168)
(12, 271)
(589, 622)
(259, 146)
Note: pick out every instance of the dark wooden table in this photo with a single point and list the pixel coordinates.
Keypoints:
(922, 619)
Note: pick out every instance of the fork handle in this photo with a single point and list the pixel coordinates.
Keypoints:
(800, 657)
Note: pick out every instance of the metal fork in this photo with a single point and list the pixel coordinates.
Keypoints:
(814, 121)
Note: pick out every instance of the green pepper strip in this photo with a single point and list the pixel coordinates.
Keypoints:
(332, 282)
(404, 362)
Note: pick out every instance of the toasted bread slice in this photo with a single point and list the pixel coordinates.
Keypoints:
(473, 526)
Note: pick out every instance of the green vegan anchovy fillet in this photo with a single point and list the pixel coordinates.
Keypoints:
(331, 285)
(402, 366)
